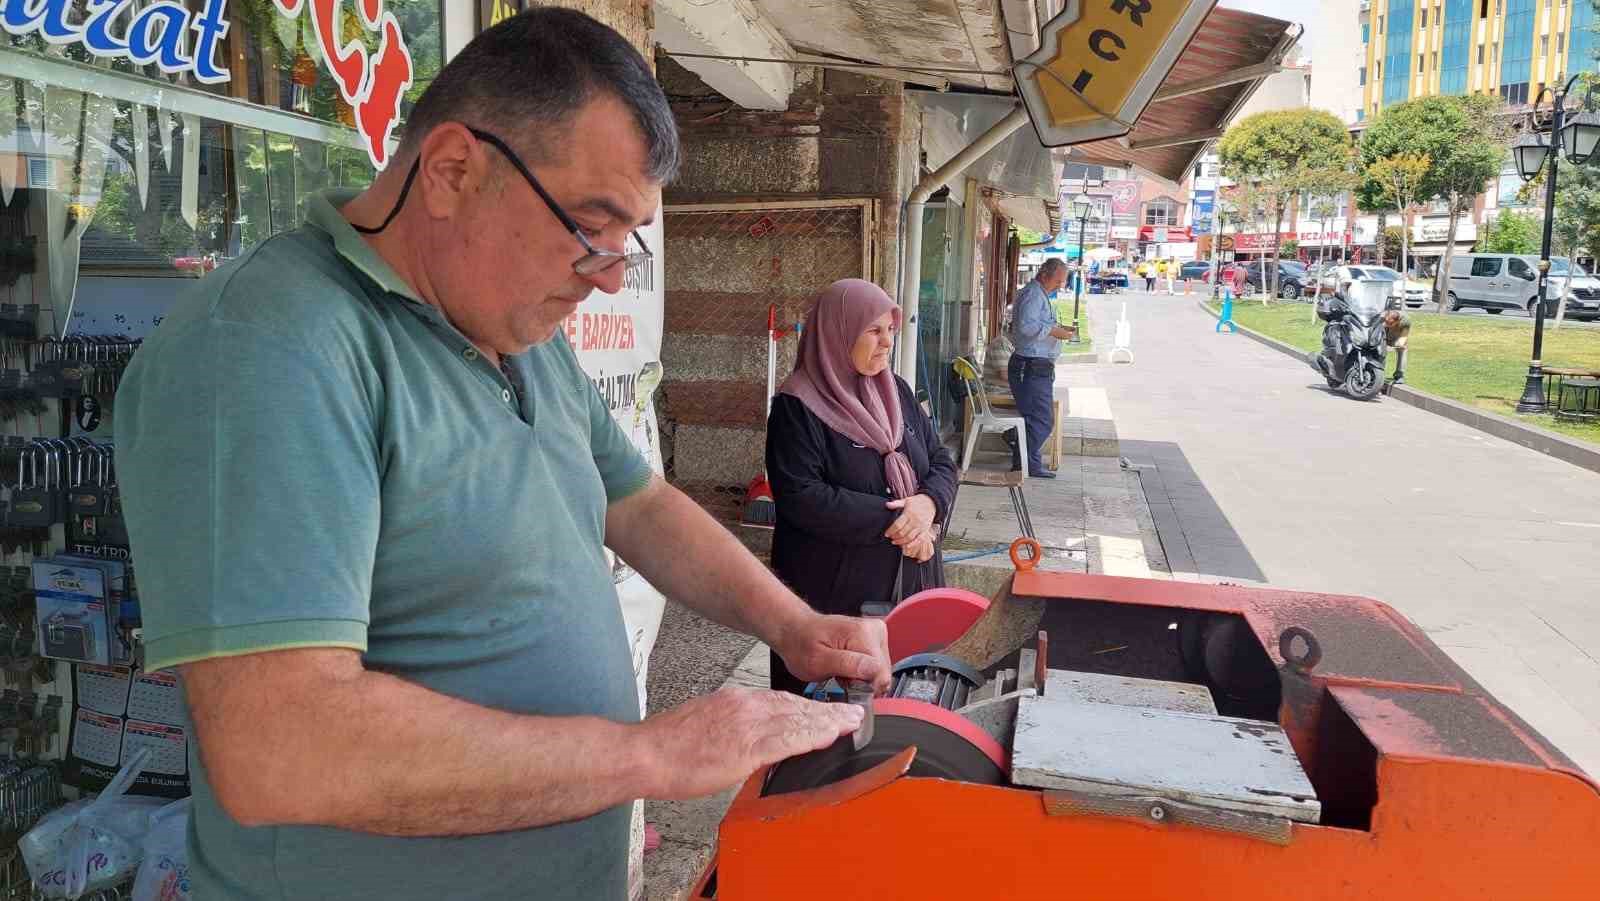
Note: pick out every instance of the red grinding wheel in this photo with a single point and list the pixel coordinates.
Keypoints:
(931, 619)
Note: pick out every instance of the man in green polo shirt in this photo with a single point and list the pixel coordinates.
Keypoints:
(368, 488)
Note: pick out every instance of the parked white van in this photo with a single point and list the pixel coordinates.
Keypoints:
(1496, 282)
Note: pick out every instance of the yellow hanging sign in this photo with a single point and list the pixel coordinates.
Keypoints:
(1099, 63)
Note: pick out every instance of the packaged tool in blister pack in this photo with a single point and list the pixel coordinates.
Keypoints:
(122, 614)
(72, 611)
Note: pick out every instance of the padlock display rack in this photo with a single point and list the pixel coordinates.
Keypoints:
(58, 496)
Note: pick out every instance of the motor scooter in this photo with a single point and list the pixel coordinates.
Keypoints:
(1353, 348)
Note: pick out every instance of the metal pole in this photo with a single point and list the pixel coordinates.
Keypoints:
(1077, 287)
(911, 262)
(1533, 399)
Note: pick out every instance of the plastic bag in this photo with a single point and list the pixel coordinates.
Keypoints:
(86, 846)
(164, 873)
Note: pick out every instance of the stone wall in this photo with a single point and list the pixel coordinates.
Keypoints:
(843, 137)
(633, 19)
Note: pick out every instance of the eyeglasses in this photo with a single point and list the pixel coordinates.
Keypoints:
(593, 262)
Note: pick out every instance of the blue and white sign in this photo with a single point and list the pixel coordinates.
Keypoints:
(1205, 202)
(112, 29)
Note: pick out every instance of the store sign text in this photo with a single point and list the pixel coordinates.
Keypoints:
(601, 331)
(157, 35)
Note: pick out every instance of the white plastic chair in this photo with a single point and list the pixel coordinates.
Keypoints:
(984, 419)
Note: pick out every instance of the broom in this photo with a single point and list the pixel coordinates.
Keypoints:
(760, 512)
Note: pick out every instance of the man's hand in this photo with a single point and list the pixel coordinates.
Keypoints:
(818, 647)
(1063, 332)
(715, 741)
(915, 520)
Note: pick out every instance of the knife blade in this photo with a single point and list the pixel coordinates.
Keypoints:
(859, 693)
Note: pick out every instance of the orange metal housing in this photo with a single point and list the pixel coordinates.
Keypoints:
(1432, 790)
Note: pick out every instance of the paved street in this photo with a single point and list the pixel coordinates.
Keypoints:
(1261, 474)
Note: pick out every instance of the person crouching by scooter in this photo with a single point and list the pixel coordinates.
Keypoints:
(1396, 332)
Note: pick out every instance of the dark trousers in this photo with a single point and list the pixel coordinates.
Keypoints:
(1033, 383)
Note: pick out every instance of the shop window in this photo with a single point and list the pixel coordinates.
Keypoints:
(120, 197)
(1161, 212)
(266, 57)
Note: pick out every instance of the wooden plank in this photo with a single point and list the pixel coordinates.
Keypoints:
(1096, 688)
(773, 205)
(1212, 761)
(1055, 433)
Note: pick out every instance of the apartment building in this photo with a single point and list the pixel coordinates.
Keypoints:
(1513, 48)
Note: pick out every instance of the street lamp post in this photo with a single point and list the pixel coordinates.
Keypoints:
(1083, 206)
(1574, 137)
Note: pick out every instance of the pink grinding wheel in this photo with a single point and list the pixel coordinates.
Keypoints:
(932, 619)
(950, 721)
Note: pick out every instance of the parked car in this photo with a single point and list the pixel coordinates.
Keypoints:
(1411, 292)
(1197, 269)
(1496, 282)
(1293, 280)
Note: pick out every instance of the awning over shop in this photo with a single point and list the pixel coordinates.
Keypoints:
(1229, 57)
(1019, 166)
(1436, 248)
(1028, 212)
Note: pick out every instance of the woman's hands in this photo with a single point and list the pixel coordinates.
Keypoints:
(920, 551)
(914, 532)
(915, 521)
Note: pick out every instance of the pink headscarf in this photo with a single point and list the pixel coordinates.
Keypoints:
(864, 409)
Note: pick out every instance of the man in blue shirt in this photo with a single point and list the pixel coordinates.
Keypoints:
(1036, 339)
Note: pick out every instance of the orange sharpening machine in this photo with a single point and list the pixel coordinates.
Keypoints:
(1190, 741)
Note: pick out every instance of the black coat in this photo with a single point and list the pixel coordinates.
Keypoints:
(830, 493)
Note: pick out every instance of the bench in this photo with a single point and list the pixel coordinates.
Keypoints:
(1579, 399)
(1555, 375)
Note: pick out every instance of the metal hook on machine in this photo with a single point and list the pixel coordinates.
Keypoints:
(1302, 663)
(1026, 554)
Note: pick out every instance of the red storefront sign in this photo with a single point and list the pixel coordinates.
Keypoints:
(1166, 234)
(1258, 242)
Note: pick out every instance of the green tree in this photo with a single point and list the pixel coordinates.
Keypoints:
(1401, 176)
(1027, 236)
(1277, 152)
(1577, 219)
(1465, 140)
(1324, 187)
(1511, 232)
(1389, 244)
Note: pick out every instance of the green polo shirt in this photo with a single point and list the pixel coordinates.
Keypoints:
(310, 456)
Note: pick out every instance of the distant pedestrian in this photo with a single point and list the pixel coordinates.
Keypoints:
(1148, 273)
(1236, 276)
(1172, 277)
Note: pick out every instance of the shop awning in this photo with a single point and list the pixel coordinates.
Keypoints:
(1231, 54)
(1028, 212)
(1019, 166)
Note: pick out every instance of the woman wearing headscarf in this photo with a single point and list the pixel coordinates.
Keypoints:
(858, 475)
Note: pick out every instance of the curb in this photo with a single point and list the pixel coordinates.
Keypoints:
(1549, 443)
